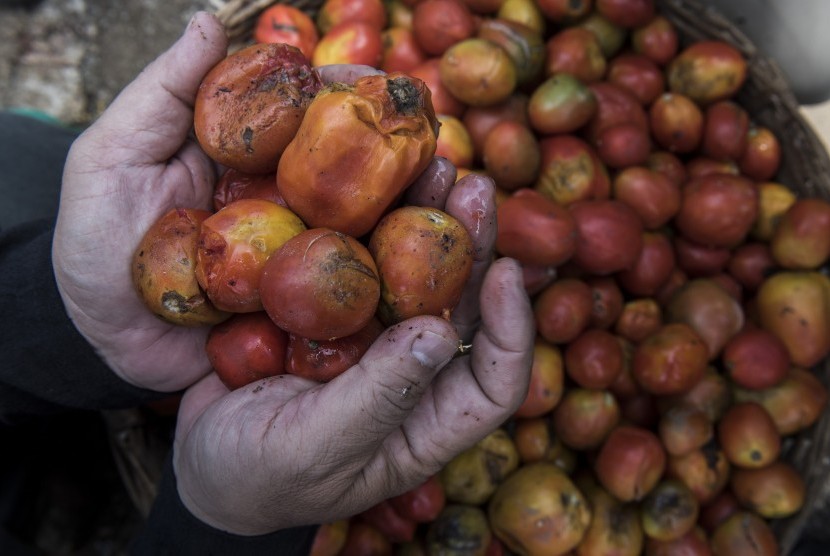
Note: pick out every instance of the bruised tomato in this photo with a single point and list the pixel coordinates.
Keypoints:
(321, 285)
(383, 122)
(322, 360)
(246, 348)
(425, 258)
(164, 270)
(250, 105)
(235, 185)
(283, 23)
(233, 246)
(429, 71)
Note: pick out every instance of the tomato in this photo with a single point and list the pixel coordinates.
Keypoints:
(385, 518)
(535, 230)
(383, 122)
(400, 50)
(547, 381)
(422, 503)
(454, 142)
(350, 42)
(478, 72)
(246, 348)
(575, 51)
(335, 12)
(424, 257)
(164, 270)
(707, 71)
(626, 13)
(439, 24)
(443, 101)
(657, 40)
(321, 285)
(235, 185)
(561, 104)
(565, 11)
(512, 156)
(234, 245)
(250, 105)
(322, 360)
(523, 45)
(282, 23)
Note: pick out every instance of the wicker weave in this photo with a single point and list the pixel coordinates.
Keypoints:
(805, 169)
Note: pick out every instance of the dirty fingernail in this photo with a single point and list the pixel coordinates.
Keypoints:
(433, 350)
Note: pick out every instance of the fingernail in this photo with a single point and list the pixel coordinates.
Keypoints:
(433, 350)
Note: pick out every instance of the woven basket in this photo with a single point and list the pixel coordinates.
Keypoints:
(805, 169)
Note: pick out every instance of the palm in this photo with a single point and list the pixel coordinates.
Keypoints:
(122, 174)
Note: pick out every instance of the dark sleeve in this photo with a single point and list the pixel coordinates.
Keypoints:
(172, 529)
(46, 364)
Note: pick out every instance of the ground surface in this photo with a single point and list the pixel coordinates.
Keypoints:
(69, 58)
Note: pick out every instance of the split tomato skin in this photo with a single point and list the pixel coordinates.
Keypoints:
(385, 123)
(234, 245)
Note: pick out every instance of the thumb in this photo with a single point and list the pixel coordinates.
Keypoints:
(155, 111)
(373, 398)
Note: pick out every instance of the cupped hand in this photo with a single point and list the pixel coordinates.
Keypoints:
(124, 172)
(285, 451)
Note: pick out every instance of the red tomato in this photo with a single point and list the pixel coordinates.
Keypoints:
(246, 348)
(323, 360)
(389, 522)
(351, 42)
(287, 24)
(335, 12)
(400, 50)
(422, 503)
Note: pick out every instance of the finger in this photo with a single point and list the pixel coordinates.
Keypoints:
(150, 119)
(473, 202)
(345, 73)
(202, 176)
(432, 187)
(474, 394)
(374, 397)
(261, 397)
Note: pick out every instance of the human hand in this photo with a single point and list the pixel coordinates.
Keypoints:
(138, 161)
(129, 168)
(286, 451)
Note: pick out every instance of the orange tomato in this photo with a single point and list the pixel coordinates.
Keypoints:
(351, 42)
(289, 25)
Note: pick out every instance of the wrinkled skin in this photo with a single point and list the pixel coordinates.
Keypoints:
(301, 452)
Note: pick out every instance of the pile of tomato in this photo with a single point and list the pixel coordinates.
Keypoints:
(680, 292)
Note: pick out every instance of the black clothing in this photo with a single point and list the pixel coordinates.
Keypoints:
(52, 380)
